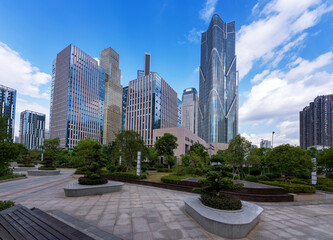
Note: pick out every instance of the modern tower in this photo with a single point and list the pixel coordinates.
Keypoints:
(77, 95)
(151, 104)
(32, 129)
(218, 83)
(190, 110)
(179, 112)
(316, 122)
(7, 107)
(109, 60)
(123, 118)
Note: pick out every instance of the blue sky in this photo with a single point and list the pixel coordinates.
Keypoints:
(284, 50)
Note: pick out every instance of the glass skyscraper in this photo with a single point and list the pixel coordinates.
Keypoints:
(218, 83)
(7, 107)
(179, 113)
(77, 97)
(189, 110)
(32, 129)
(123, 113)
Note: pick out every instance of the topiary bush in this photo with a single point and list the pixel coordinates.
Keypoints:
(255, 171)
(159, 165)
(131, 175)
(26, 165)
(89, 181)
(329, 175)
(5, 204)
(273, 175)
(46, 168)
(263, 178)
(292, 187)
(223, 202)
(251, 179)
(164, 170)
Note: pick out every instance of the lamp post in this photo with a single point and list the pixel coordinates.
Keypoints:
(272, 138)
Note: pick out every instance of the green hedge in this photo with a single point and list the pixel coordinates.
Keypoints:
(325, 184)
(174, 179)
(251, 179)
(46, 168)
(164, 170)
(9, 176)
(131, 175)
(5, 204)
(292, 187)
(223, 201)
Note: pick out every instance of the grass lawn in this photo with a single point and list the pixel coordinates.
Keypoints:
(9, 176)
(156, 176)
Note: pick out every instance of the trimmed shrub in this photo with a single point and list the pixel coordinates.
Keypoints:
(9, 176)
(329, 175)
(131, 175)
(164, 170)
(26, 165)
(222, 201)
(263, 178)
(251, 179)
(89, 181)
(46, 168)
(292, 187)
(273, 175)
(80, 171)
(143, 169)
(172, 179)
(5, 204)
(255, 171)
(159, 165)
(325, 184)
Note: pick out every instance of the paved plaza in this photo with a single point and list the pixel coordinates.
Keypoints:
(141, 212)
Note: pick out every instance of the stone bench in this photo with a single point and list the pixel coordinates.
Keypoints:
(43, 172)
(78, 190)
(227, 224)
(23, 169)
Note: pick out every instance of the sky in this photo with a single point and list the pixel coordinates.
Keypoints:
(284, 50)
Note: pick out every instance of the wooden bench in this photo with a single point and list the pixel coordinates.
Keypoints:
(19, 222)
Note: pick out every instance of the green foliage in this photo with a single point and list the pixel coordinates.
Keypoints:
(325, 184)
(10, 152)
(35, 155)
(223, 201)
(185, 160)
(170, 160)
(329, 175)
(164, 147)
(92, 181)
(325, 159)
(292, 187)
(258, 157)
(174, 179)
(10, 176)
(219, 157)
(313, 152)
(46, 168)
(89, 152)
(255, 171)
(80, 171)
(6, 204)
(25, 159)
(263, 178)
(152, 155)
(158, 165)
(181, 170)
(131, 175)
(251, 179)
(26, 165)
(289, 160)
(237, 151)
(164, 170)
(5, 135)
(273, 175)
(217, 181)
(51, 148)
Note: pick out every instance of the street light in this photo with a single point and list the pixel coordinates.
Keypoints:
(272, 138)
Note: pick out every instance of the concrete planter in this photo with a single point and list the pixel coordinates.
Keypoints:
(23, 169)
(78, 190)
(227, 224)
(43, 172)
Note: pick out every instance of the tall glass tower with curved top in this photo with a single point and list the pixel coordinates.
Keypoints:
(218, 83)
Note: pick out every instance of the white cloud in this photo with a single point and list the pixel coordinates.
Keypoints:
(194, 35)
(19, 74)
(278, 138)
(97, 59)
(208, 10)
(280, 28)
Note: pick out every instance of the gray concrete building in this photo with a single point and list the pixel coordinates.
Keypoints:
(77, 93)
(265, 143)
(189, 110)
(109, 61)
(151, 104)
(32, 129)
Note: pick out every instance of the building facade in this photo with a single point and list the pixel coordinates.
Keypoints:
(109, 61)
(151, 104)
(218, 83)
(316, 122)
(7, 107)
(32, 129)
(179, 112)
(77, 95)
(265, 143)
(190, 109)
(123, 118)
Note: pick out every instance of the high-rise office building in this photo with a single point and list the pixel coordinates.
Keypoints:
(218, 83)
(7, 107)
(109, 60)
(265, 143)
(32, 129)
(151, 104)
(316, 122)
(190, 110)
(179, 112)
(123, 118)
(77, 94)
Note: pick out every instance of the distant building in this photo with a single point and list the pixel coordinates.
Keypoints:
(218, 83)
(109, 61)
(47, 134)
(77, 95)
(316, 122)
(32, 129)
(7, 107)
(123, 118)
(190, 110)
(151, 104)
(17, 139)
(185, 139)
(265, 143)
(179, 113)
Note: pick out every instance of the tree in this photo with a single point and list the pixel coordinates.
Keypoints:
(289, 161)
(325, 159)
(257, 157)
(170, 160)
(51, 149)
(165, 145)
(219, 157)
(35, 155)
(128, 143)
(237, 152)
(5, 135)
(152, 155)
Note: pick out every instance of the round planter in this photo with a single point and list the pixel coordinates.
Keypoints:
(43, 172)
(23, 169)
(227, 224)
(77, 190)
